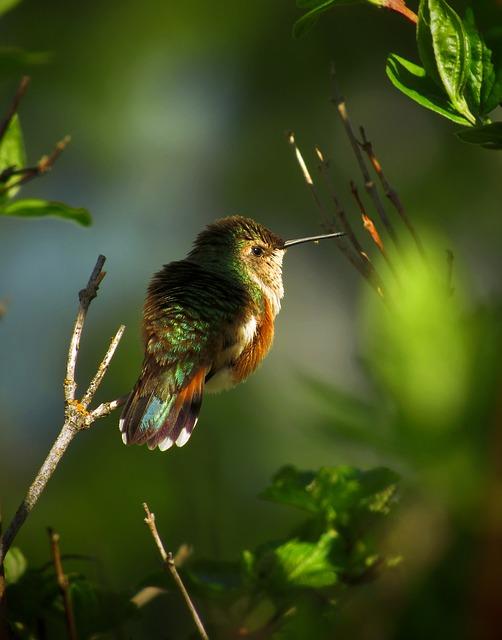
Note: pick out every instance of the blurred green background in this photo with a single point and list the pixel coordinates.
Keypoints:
(177, 113)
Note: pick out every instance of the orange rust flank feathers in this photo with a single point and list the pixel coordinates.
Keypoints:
(258, 348)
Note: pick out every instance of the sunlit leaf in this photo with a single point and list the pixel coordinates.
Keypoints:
(7, 5)
(301, 564)
(444, 50)
(33, 208)
(14, 565)
(12, 154)
(488, 136)
(413, 82)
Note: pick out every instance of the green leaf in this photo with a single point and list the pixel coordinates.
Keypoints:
(33, 208)
(484, 84)
(307, 21)
(7, 5)
(493, 97)
(488, 136)
(413, 82)
(12, 154)
(14, 565)
(336, 493)
(444, 49)
(301, 564)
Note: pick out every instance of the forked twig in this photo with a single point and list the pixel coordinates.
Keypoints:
(169, 564)
(63, 584)
(26, 174)
(77, 416)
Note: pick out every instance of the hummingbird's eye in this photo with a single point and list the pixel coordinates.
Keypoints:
(257, 251)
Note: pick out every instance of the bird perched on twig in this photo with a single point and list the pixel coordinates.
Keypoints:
(208, 322)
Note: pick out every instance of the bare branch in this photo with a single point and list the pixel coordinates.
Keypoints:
(368, 182)
(364, 266)
(85, 296)
(44, 165)
(167, 559)
(21, 90)
(76, 415)
(64, 584)
(390, 192)
(103, 367)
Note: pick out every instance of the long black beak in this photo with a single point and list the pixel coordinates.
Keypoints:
(290, 243)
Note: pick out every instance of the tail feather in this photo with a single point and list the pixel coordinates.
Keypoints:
(161, 420)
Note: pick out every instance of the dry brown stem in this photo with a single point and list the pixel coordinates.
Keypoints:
(21, 90)
(390, 192)
(63, 584)
(170, 565)
(26, 174)
(369, 184)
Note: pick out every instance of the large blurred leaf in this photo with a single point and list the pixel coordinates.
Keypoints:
(413, 82)
(420, 350)
(7, 5)
(12, 154)
(33, 208)
(444, 50)
(15, 565)
(488, 136)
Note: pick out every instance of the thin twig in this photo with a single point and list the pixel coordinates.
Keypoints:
(85, 297)
(21, 90)
(390, 192)
(76, 415)
(369, 225)
(360, 261)
(44, 165)
(63, 584)
(167, 559)
(308, 177)
(368, 182)
(365, 266)
(103, 367)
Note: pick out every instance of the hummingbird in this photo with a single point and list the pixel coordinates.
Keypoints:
(208, 322)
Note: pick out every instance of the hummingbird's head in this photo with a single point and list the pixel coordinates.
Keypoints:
(240, 246)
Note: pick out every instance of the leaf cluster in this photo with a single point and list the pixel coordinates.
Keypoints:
(289, 587)
(36, 608)
(14, 171)
(460, 76)
(282, 589)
